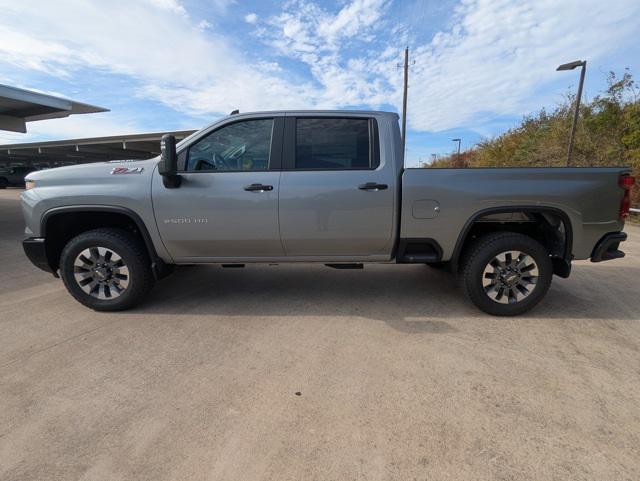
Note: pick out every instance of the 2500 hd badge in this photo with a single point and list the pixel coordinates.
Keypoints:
(187, 220)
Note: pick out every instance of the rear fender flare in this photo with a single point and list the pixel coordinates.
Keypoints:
(462, 237)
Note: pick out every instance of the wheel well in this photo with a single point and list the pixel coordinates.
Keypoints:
(552, 228)
(60, 228)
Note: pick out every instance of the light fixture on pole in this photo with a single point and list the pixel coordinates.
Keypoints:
(571, 66)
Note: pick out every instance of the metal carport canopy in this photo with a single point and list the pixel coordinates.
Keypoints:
(18, 106)
(96, 149)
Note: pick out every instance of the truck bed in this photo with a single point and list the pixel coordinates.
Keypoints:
(439, 203)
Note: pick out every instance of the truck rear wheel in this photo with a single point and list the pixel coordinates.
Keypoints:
(506, 274)
(106, 269)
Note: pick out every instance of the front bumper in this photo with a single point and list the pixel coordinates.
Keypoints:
(607, 247)
(36, 250)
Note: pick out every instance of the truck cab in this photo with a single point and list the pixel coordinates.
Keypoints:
(295, 185)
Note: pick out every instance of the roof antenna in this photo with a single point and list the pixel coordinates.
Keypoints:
(234, 112)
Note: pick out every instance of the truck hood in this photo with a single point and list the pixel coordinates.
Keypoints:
(89, 173)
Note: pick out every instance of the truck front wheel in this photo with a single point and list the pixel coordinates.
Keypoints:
(506, 274)
(106, 269)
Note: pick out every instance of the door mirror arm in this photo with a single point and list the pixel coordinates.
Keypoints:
(168, 166)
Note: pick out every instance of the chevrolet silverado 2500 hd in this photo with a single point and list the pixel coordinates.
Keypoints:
(317, 186)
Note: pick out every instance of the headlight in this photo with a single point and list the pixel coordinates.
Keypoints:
(29, 184)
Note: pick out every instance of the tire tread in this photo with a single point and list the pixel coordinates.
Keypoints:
(143, 279)
(479, 248)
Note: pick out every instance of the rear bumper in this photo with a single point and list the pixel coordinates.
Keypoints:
(607, 247)
(36, 250)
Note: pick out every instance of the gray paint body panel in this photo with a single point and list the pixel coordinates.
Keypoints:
(93, 184)
(590, 197)
(211, 215)
(324, 213)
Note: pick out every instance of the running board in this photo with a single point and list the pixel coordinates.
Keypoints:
(345, 266)
(418, 251)
(418, 258)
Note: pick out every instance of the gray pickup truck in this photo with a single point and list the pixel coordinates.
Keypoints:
(317, 186)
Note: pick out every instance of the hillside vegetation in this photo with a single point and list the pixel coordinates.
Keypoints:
(608, 134)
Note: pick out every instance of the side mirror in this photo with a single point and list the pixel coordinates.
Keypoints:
(168, 166)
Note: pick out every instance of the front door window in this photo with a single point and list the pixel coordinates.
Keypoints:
(241, 146)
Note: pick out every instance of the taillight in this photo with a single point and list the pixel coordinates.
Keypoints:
(626, 182)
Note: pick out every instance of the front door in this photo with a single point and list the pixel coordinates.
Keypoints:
(227, 204)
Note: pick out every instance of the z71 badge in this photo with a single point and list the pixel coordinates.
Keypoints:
(127, 170)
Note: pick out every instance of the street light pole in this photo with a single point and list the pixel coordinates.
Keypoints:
(571, 66)
(459, 141)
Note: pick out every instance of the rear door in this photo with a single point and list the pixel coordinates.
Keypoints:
(336, 197)
(227, 204)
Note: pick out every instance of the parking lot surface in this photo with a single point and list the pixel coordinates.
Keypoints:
(309, 373)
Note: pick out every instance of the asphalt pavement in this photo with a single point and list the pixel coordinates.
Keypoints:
(308, 373)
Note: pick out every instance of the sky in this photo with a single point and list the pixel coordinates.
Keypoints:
(477, 66)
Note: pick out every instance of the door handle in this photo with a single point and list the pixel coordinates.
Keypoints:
(258, 187)
(372, 186)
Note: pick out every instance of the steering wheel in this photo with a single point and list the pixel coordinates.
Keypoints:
(238, 152)
(217, 162)
(203, 164)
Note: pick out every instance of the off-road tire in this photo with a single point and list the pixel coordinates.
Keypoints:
(134, 256)
(479, 255)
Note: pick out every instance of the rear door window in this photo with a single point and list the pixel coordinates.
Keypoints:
(335, 144)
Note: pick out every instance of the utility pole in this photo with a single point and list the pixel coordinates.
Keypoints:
(571, 66)
(404, 100)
